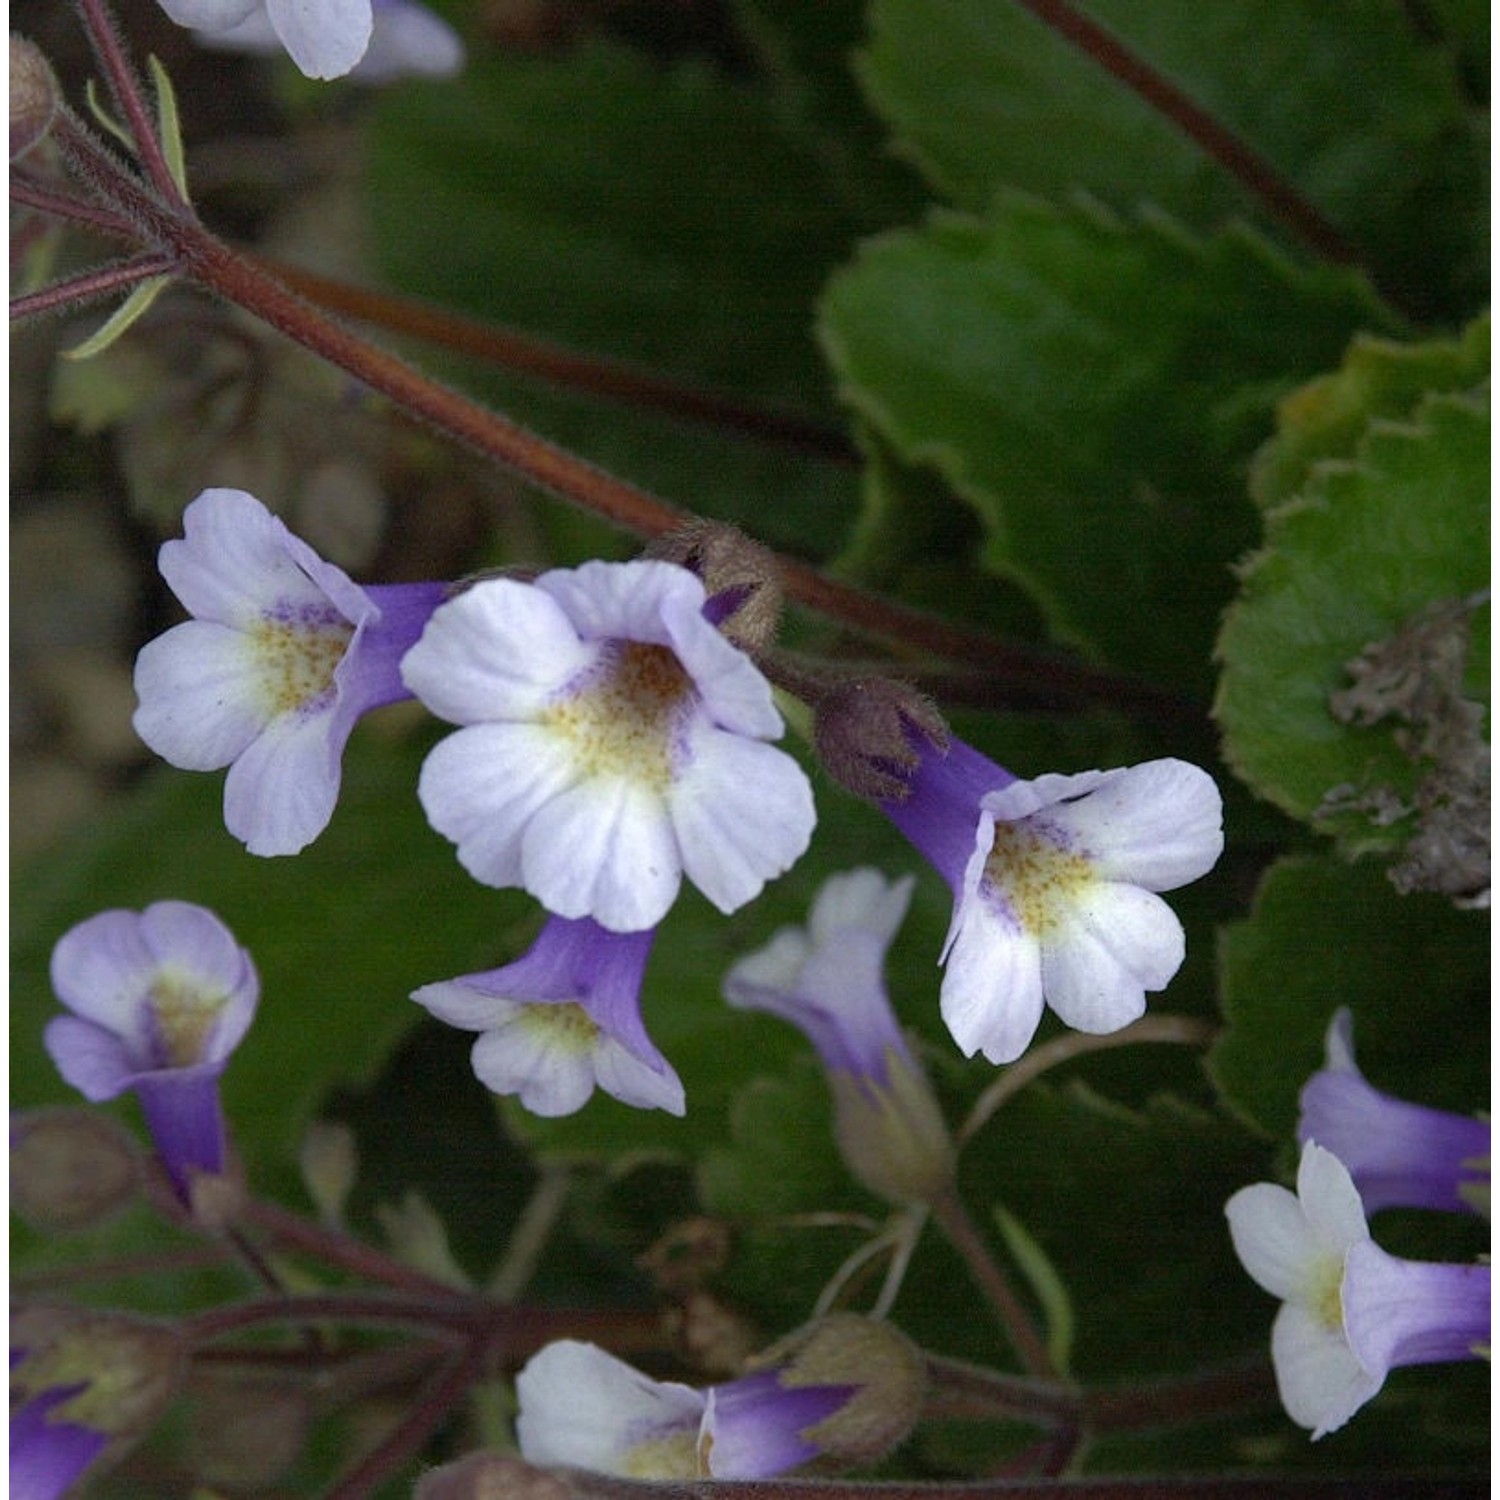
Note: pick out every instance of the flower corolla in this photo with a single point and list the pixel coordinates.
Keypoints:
(158, 1000)
(1398, 1153)
(611, 741)
(1054, 883)
(283, 654)
(562, 1018)
(1350, 1312)
(827, 980)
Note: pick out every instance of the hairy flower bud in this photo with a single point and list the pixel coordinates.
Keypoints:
(884, 1368)
(71, 1169)
(488, 1475)
(33, 96)
(739, 576)
(866, 731)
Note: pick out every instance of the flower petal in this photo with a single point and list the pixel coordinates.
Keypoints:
(281, 791)
(1330, 1200)
(92, 1060)
(496, 652)
(1321, 1383)
(1115, 944)
(582, 1408)
(481, 787)
(992, 986)
(102, 969)
(324, 37)
(523, 1056)
(199, 699)
(1157, 825)
(1272, 1238)
(603, 849)
(743, 813)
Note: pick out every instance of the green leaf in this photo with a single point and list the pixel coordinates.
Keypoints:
(1046, 1285)
(1379, 378)
(1094, 390)
(136, 305)
(1322, 934)
(1356, 564)
(661, 216)
(1340, 97)
(341, 935)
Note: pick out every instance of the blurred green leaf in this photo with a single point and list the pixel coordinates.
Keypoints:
(1094, 390)
(1322, 934)
(656, 214)
(1342, 97)
(1362, 554)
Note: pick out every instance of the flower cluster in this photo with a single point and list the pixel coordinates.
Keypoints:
(1351, 1313)
(612, 739)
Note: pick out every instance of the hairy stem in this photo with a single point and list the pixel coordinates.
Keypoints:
(80, 290)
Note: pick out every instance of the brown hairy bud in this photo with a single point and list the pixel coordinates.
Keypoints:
(488, 1475)
(71, 1169)
(739, 575)
(883, 1365)
(867, 730)
(33, 96)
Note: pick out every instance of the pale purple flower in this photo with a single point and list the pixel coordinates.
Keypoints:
(283, 654)
(159, 999)
(1350, 1313)
(561, 1019)
(828, 981)
(611, 742)
(582, 1408)
(1399, 1154)
(405, 40)
(1054, 884)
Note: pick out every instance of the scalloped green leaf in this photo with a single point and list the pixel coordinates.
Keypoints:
(1343, 98)
(1359, 563)
(341, 935)
(1094, 390)
(1322, 934)
(1379, 378)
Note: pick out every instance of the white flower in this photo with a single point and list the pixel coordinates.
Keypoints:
(562, 1018)
(612, 741)
(1350, 1312)
(1054, 885)
(283, 654)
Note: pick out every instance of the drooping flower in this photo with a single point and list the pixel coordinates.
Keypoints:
(1054, 884)
(159, 1000)
(405, 40)
(1398, 1153)
(1350, 1312)
(80, 1383)
(561, 1019)
(611, 741)
(828, 981)
(845, 1388)
(283, 654)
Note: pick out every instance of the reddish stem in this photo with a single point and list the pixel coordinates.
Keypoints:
(89, 287)
(1212, 137)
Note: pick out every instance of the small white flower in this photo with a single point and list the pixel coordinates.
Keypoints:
(1054, 884)
(1295, 1246)
(283, 654)
(562, 1018)
(611, 741)
(1350, 1312)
